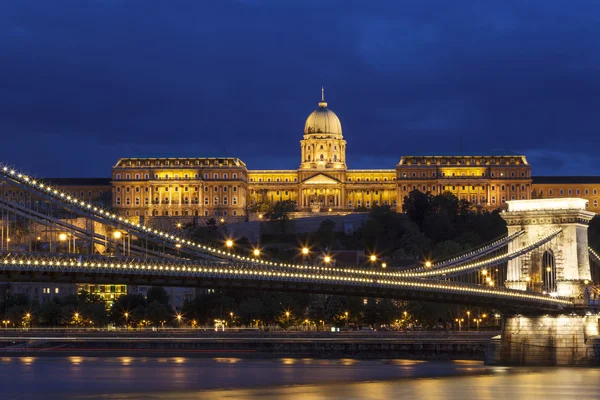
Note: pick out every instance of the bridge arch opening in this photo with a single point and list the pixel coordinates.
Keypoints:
(548, 271)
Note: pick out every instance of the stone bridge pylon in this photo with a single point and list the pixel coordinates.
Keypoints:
(561, 266)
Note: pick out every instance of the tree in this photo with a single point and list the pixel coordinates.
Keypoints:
(157, 313)
(250, 310)
(325, 234)
(417, 205)
(159, 294)
(49, 313)
(126, 304)
(281, 211)
(96, 313)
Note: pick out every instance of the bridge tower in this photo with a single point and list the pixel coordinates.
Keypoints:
(561, 266)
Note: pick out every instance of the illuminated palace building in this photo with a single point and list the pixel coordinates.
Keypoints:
(226, 188)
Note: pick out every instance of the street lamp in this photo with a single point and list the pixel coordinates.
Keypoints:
(383, 265)
(117, 235)
(178, 320)
(179, 225)
(229, 243)
(468, 320)
(373, 258)
(428, 264)
(287, 316)
(126, 320)
(305, 251)
(256, 252)
(231, 316)
(327, 259)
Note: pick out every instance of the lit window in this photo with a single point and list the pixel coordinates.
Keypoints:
(56, 290)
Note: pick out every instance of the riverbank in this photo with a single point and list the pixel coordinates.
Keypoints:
(389, 345)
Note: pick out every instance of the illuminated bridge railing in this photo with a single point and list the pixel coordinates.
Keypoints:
(474, 254)
(373, 274)
(594, 254)
(490, 262)
(219, 271)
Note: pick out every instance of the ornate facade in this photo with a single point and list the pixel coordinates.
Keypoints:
(225, 188)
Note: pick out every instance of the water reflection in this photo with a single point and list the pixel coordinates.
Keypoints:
(235, 378)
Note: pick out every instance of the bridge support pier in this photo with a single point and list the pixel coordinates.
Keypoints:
(547, 340)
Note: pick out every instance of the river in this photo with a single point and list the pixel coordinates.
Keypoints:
(234, 378)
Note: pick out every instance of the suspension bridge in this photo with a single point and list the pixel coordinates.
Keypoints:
(543, 264)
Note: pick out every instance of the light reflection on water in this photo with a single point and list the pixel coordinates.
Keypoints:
(236, 378)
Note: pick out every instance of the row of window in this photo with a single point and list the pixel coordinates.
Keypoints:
(184, 213)
(453, 174)
(176, 189)
(276, 180)
(463, 161)
(186, 200)
(464, 187)
(368, 203)
(570, 192)
(176, 176)
(216, 163)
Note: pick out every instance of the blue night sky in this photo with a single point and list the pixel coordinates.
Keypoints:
(84, 82)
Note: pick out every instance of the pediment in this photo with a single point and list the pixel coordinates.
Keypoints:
(321, 179)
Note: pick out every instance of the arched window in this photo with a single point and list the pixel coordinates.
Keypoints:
(321, 156)
(335, 157)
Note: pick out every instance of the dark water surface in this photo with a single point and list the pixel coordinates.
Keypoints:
(234, 378)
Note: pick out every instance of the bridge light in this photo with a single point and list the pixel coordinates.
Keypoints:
(383, 265)
(488, 279)
(305, 251)
(428, 264)
(229, 243)
(548, 269)
(117, 234)
(256, 252)
(178, 245)
(327, 259)
(62, 237)
(484, 272)
(586, 282)
(373, 258)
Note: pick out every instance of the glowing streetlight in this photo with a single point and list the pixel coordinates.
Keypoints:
(484, 272)
(178, 320)
(373, 258)
(178, 245)
(117, 235)
(428, 264)
(39, 238)
(222, 220)
(383, 265)
(256, 252)
(62, 237)
(305, 251)
(179, 225)
(586, 282)
(229, 243)
(548, 269)
(327, 259)
(126, 319)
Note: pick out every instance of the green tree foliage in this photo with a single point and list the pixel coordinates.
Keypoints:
(417, 205)
(158, 294)
(158, 313)
(126, 304)
(325, 235)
